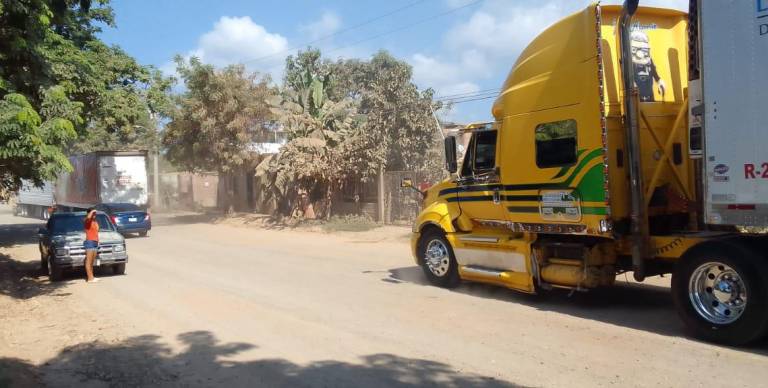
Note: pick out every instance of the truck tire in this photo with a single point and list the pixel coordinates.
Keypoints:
(437, 259)
(143, 234)
(118, 269)
(43, 263)
(720, 290)
(55, 273)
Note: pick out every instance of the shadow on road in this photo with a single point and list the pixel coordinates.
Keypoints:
(145, 361)
(19, 234)
(24, 280)
(636, 306)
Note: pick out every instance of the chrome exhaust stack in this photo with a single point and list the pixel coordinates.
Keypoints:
(638, 214)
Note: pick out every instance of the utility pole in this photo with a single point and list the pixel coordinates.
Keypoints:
(381, 196)
(156, 180)
(437, 122)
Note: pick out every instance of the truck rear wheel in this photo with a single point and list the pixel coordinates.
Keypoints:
(720, 291)
(437, 259)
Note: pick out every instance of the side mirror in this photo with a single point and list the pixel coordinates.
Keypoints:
(406, 183)
(450, 154)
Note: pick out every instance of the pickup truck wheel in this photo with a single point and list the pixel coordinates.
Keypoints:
(143, 234)
(720, 291)
(55, 273)
(43, 264)
(437, 259)
(118, 269)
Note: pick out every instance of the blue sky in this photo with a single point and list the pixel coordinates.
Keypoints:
(454, 46)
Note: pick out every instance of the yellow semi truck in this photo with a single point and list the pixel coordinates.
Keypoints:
(624, 139)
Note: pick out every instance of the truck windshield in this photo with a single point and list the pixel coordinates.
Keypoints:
(74, 223)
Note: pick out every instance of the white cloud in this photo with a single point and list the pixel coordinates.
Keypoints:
(445, 77)
(239, 40)
(328, 23)
(481, 49)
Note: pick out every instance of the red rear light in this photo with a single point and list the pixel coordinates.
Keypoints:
(146, 218)
(741, 207)
(114, 220)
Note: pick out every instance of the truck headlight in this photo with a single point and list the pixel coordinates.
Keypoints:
(62, 251)
(119, 248)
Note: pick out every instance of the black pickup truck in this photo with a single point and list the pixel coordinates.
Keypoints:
(61, 244)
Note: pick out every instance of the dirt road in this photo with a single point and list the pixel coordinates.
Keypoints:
(211, 305)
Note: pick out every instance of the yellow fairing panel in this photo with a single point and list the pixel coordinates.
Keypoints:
(660, 44)
(556, 79)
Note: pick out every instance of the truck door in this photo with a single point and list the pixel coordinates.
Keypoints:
(479, 191)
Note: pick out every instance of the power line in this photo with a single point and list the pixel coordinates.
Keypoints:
(489, 95)
(419, 22)
(484, 91)
(354, 27)
(459, 101)
(468, 96)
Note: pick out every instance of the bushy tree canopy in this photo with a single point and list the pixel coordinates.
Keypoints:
(218, 116)
(51, 47)
(346, 121)
(30, 145)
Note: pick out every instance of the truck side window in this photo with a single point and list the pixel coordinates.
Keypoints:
(485, 151)
(556, 143)
(466, 165)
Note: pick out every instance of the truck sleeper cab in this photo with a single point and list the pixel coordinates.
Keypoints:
(588, 172)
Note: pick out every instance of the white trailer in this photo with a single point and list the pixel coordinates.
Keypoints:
(33, 201)
(733, 110)
(104, 177)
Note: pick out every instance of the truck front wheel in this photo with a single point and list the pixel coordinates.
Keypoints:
(119, 269)
(720, 291)
(55, 273)
(437, 259)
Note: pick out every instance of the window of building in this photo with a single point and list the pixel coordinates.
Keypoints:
(556, 143)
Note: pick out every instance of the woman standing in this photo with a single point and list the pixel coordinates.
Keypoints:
(91, 226)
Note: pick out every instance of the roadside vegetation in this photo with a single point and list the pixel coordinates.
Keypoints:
(63, 91)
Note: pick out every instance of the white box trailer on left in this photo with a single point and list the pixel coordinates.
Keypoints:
(34, 201)
(104, 177)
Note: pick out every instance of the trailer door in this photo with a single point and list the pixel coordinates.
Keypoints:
(123, 179)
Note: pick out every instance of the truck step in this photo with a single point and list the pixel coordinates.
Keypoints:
(482, 271)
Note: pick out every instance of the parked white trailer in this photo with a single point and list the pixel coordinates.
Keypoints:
(104, 177)
(33, 201)
(733, 36)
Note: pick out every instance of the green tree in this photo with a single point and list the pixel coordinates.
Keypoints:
(318, 128)
(30, 145)
(347, 121)
(400, 132)
(217, 117)
(52, 45)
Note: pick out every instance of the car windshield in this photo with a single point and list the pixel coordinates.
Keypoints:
(74, 223)
(122, 207)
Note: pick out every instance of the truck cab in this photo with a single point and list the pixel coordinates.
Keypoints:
(591, 169)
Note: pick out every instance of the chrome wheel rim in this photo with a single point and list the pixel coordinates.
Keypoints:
(436, 258)
(718, 293)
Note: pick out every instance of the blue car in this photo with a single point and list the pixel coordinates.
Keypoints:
(127, 217)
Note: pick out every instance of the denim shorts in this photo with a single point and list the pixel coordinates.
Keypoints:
(91, 245)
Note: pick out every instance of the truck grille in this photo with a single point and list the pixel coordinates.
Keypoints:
(103, 249)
